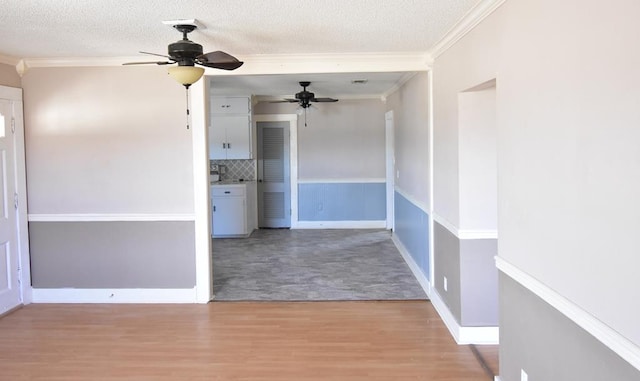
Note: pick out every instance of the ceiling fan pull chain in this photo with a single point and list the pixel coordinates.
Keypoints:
(305, 117)
(187, 90)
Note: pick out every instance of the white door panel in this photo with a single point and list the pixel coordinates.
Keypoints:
(9, 256)
(274, 195)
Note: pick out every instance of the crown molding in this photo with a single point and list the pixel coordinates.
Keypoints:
(469, 21)
(331, 63)
(81, 61)
(9, 60)
(306, 63)
(404, 79)
(274, 63)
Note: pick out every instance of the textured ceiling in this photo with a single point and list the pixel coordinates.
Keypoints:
(116, 28)
(67, 29)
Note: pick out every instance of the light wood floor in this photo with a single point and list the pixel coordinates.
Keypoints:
(233, 341)
(488, 355)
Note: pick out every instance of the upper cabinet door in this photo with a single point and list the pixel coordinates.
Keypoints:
(217, 139)
(238, 137)
(230, 105)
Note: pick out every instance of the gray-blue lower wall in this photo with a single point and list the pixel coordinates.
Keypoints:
(537, 338)
(112, 254)
(411, 228)
(468, 265)
(342, 202)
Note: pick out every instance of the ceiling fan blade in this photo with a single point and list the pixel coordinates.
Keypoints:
(156, 54)
(219, 60)
(324, 100)
(286, 101)
(221, 65)
(148, 63)
(217, 56)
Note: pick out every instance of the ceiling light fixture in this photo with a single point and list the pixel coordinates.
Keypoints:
(186, 75)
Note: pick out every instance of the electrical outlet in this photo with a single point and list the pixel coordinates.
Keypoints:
(445, 284)
(523, 375)
(397, 174)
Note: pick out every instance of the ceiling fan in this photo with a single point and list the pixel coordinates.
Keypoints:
(304, 98)
(187, 54)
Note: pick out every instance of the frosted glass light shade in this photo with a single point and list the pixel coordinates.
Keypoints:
(186, 75)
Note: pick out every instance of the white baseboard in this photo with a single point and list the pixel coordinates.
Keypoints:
(462, 335)
(341, 224)
(115, 295)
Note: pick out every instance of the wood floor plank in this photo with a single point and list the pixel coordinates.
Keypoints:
(233, 341)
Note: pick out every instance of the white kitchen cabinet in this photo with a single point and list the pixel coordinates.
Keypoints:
(230, 128)
(230, 137)
(233, 209)
(230, 105)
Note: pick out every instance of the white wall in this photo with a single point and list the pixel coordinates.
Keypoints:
(106, 140)
(568, 157)
(342, 140)
(471, 62)
(9, 76)
(410, 105)
(478, 165)
(568, 152)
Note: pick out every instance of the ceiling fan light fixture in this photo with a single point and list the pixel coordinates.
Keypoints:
(186, 75)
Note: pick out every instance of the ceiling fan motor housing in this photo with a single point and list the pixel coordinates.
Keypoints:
(305, 97)
(185, 52)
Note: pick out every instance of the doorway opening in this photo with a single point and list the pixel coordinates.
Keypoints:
(277, 167)
(274, 178)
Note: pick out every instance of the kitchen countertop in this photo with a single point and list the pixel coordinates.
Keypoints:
(231, 182)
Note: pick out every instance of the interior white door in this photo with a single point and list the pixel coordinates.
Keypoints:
(9, 254)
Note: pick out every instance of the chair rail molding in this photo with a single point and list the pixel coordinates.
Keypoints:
(619, 344)
(115, 217)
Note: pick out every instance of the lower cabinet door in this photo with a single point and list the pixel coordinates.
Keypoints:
(229, 216)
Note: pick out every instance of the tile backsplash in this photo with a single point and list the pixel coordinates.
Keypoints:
(237, 169)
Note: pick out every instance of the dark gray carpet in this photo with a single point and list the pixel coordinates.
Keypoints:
(283, 265)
